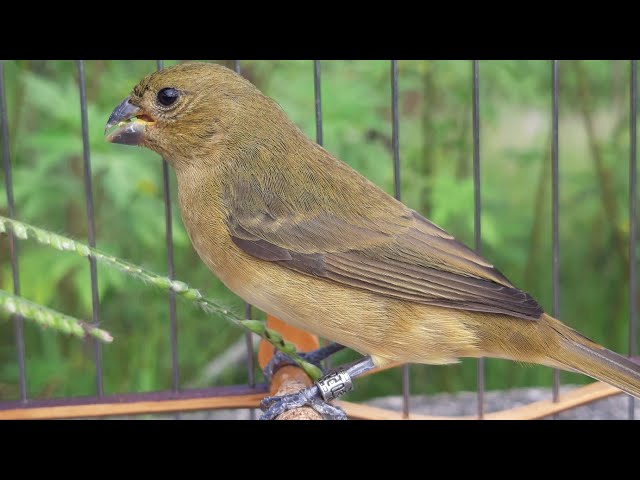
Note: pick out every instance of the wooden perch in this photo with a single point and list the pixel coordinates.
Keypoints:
(289, 379)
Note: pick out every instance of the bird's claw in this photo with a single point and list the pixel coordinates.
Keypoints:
(314, 357)
(278, 360)
(307, 397)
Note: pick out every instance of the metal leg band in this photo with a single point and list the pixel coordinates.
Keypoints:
(335, 384)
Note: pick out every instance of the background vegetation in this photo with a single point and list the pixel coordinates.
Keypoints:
(436, 177)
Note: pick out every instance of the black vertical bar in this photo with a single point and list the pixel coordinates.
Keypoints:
(633, 221)
(250, 358)
(88, 190)
(173, 315)
(247, 314)
(13, 247)
(480, 367)
(318, 101)
(395, 135)
(555, 200)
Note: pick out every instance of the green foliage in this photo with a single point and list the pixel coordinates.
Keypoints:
(436, 179)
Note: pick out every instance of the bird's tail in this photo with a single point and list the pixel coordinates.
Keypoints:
(577, 353)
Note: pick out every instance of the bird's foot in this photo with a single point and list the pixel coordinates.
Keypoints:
(273, 407)
(329, 387)
(280, 359)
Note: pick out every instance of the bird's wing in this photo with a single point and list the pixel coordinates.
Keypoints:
(392, 251)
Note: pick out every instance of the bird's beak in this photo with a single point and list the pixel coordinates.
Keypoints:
(131, 123)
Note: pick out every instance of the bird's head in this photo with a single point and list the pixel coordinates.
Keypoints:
(184, 111)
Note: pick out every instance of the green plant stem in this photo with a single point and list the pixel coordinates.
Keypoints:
(46, 317)
(25, 231)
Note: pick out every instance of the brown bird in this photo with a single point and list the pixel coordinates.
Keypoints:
(304, 237)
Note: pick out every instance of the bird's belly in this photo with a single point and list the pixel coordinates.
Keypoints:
(337, 314)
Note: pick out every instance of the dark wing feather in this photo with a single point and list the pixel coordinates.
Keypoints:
(406, 257)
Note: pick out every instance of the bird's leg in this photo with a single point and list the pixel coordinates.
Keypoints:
(280, 359)
(329, 387)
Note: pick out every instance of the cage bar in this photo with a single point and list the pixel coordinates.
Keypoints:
(633, 220)
(91, 229)
(477, 230)
(173, 314)
(13, 246)
(318, 101)
(555, 200)
(395, 139)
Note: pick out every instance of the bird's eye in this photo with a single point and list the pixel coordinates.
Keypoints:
(168, 96)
